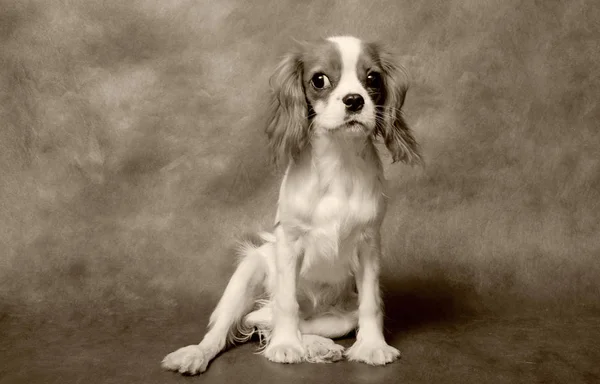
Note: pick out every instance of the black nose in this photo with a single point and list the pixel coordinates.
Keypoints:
(354, 102)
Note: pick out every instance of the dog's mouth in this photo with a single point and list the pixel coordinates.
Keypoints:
(355, 126)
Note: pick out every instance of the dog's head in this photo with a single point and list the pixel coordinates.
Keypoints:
(340, 85)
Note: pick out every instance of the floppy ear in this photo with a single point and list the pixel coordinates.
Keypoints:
(391, 126)
(287, 128)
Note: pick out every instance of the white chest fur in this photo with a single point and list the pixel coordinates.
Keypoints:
(338, 221)
(329, 202)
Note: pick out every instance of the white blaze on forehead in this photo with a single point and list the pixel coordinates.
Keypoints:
(350, 48)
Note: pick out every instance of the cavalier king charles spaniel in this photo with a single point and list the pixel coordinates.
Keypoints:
(316, 275)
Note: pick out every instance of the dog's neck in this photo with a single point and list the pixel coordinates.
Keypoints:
(348, 156)
(339, 145)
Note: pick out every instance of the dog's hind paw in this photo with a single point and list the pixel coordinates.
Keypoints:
(320, 349)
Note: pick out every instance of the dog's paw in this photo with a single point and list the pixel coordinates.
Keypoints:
(320, 349)
(286, 352)
(373, 353)
(190, 360)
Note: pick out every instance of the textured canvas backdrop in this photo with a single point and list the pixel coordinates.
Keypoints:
(132, 150)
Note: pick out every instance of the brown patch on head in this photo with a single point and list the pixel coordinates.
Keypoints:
(369, 63)
(293, 96)
(320, 58)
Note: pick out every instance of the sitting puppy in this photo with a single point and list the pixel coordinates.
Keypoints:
(316, 276)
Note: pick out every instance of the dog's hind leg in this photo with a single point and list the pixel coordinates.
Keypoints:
(316, 332)
(330, 325)
(236, 301)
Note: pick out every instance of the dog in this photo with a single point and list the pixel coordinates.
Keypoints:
(316, 275)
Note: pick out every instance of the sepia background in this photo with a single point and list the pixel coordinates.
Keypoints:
(132, 156)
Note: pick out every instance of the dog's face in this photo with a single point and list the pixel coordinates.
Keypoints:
(339, 85)
(342, 82)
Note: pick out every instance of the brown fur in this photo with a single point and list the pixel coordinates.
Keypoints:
(288, 127)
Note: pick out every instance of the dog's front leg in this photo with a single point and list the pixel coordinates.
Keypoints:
(285, 345)
(370, 346)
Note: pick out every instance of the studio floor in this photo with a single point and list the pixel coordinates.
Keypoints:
(539, 347)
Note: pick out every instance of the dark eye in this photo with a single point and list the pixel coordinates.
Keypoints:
(320, 81)
(373, 80)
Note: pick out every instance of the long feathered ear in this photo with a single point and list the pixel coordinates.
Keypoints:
(287, 128)
(391, 126)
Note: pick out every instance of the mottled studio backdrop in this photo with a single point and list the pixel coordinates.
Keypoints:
(132, 150)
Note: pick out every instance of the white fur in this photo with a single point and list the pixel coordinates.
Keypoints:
(297, 289)
(332, 113)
